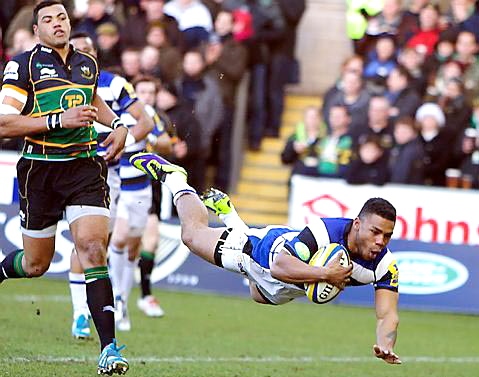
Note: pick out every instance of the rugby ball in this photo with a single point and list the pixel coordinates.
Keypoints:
(322, 292)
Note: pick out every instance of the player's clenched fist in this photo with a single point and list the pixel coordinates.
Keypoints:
(79, 116)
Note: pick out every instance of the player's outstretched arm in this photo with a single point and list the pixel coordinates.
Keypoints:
(290, 269)
(386, 302)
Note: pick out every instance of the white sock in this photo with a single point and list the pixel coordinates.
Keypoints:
(78, 293)
(175, 182)
(232, 220)
(128, 278)
(117, 260)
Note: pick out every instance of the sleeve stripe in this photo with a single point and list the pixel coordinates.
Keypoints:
(8, 110)
(15, 92)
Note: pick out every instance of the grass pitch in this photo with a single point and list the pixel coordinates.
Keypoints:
(212, 336)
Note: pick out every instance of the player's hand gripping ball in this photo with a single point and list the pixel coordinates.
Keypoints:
(323, 292)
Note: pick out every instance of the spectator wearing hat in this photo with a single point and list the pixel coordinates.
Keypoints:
(437, 143)
(406, 160)
(109, 49)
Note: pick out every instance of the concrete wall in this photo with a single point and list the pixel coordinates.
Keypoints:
(322, 45)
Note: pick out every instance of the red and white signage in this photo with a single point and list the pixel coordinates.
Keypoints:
(425, 214)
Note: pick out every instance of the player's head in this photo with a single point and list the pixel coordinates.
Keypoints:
(83, 42)
(373, 228)
(146, 88)
(51, 23)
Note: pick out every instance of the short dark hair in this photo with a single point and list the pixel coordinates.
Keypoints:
(44, 4)
(147, 78)
(380, 207)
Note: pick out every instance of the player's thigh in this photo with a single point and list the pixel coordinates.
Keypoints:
(208, 242)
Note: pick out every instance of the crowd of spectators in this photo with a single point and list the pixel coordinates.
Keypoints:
(409, 97)
(198, 51)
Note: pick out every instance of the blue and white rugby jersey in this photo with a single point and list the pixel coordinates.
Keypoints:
(133, 179)
(268, 242)
(118, 95)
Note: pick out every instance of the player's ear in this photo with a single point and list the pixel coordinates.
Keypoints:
(35, 30)
(356, 224)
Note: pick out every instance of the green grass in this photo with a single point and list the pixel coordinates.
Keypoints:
(212, 336)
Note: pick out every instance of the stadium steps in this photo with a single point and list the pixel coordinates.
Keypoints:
(261, 196)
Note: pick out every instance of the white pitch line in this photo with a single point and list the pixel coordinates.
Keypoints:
(270, 359)
(36, 298)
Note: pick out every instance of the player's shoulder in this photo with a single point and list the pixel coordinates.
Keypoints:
(17, 68)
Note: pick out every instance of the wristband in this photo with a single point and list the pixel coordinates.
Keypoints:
(115, 123)
(54, 121)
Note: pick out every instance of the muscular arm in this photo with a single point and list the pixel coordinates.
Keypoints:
(386, 302)
(20, 125)
(105, 114)
(144, 124)
(289, 269)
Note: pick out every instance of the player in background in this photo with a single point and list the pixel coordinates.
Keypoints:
(120, 97)
(276, 259)
(146, 88)
(49, 96)
(132, 215)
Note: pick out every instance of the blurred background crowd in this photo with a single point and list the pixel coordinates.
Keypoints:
(405, 108)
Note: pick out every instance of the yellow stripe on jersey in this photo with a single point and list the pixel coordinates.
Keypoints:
(61, 87)
(16, 89)
(50, 144)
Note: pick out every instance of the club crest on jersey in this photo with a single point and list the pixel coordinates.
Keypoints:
(302, 250)
(46, 73)
(86, 73)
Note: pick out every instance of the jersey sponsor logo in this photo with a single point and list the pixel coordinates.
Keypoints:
(39, 65)
(72, 98)
(85, 72)
(46, 73)
(425, 273)
(302, 250)
(11, 71)
(46, 49)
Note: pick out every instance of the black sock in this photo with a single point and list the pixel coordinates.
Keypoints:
(11, 266)
(100, 301)
(147, 261)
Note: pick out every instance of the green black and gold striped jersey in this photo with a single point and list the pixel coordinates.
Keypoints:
(52, 86)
